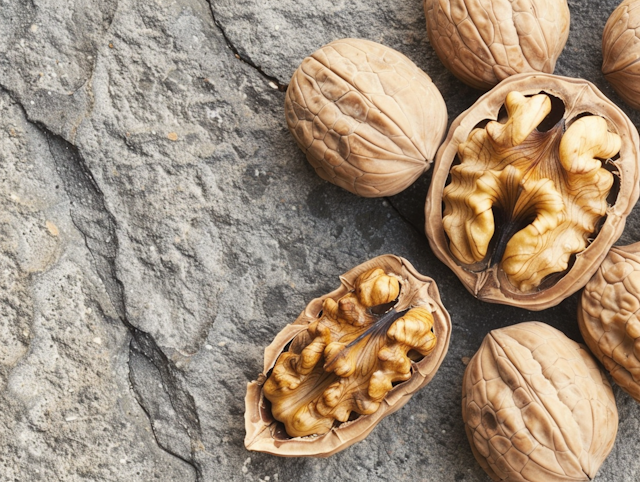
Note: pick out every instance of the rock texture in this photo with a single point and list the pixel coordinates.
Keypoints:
(159, 226)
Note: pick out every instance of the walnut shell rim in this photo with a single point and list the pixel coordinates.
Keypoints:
(579, 96)
(420, 290)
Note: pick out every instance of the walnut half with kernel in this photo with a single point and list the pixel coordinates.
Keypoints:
(531, 188)
(351, 358)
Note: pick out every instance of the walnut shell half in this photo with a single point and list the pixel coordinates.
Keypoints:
(351, 358)
(368, 119)
(621, 50)
(531, 188)
(536, 406)
(608, 316)
(483, 42)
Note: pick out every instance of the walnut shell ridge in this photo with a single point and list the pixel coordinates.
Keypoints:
(621, 50)
(571, 263)
(608, 316)
(417, 292)
(367, 118)
(483, 43)
(536, 406)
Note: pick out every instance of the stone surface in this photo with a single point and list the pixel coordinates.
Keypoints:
(159, 226)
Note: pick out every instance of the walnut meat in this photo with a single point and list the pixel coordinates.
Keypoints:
(368, 119)
(536, 407)
(536, 179)
(483, 43)
(621, 50)
(351, 358)
(609, 316)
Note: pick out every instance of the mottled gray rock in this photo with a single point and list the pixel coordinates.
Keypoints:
(159, 226)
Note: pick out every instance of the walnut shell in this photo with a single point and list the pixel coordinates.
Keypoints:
(368, 119)
(329, 377)
(608, 316)
(532, 202)
(536, 407)
(621, 50)
(483, 43)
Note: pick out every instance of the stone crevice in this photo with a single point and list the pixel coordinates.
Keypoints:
(404, 218)
(97, 225)
(282, 87)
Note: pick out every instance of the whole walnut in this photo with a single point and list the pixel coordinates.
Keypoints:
(351, 358)
(483, 42)
(609, 319)
(621, 50)
(368, 119)
(536, 407)
(531, 188)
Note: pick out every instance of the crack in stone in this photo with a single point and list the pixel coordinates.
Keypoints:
(282, 87)
(404, 218)
(97, 225)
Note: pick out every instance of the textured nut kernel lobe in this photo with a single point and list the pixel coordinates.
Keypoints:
(352, 357)
(368, 119)
(608, 316)
(621, 50)
(483, 43)
(536, 407)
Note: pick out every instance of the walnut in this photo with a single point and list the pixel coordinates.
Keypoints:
(368, 119)
(609, 319)
(536, 407)
(483, 43)
(351, 358)
(621, 50)
(537, 179)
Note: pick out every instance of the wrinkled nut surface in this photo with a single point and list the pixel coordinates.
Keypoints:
(536, 179)
(609, 319)
(621, 50)
(483, 42)
(368, 119)
(536, 407)
(351, 358)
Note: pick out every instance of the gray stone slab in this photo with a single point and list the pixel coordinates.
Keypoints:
(153, 199)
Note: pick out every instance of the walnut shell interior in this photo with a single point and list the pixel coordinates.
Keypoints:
(531, 188)
(351, 358)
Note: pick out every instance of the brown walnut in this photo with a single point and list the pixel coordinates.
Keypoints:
(609, 316)
(351, 358)
(621, 50)
(483, 43)
(368, 119)
(537, 179)
(536, 406)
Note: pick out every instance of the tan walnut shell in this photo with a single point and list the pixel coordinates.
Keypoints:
(351, 358)
(621, 50)
(483, 42)
(537, 179)
(536, 406)
(609, 316)
(368, 119)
